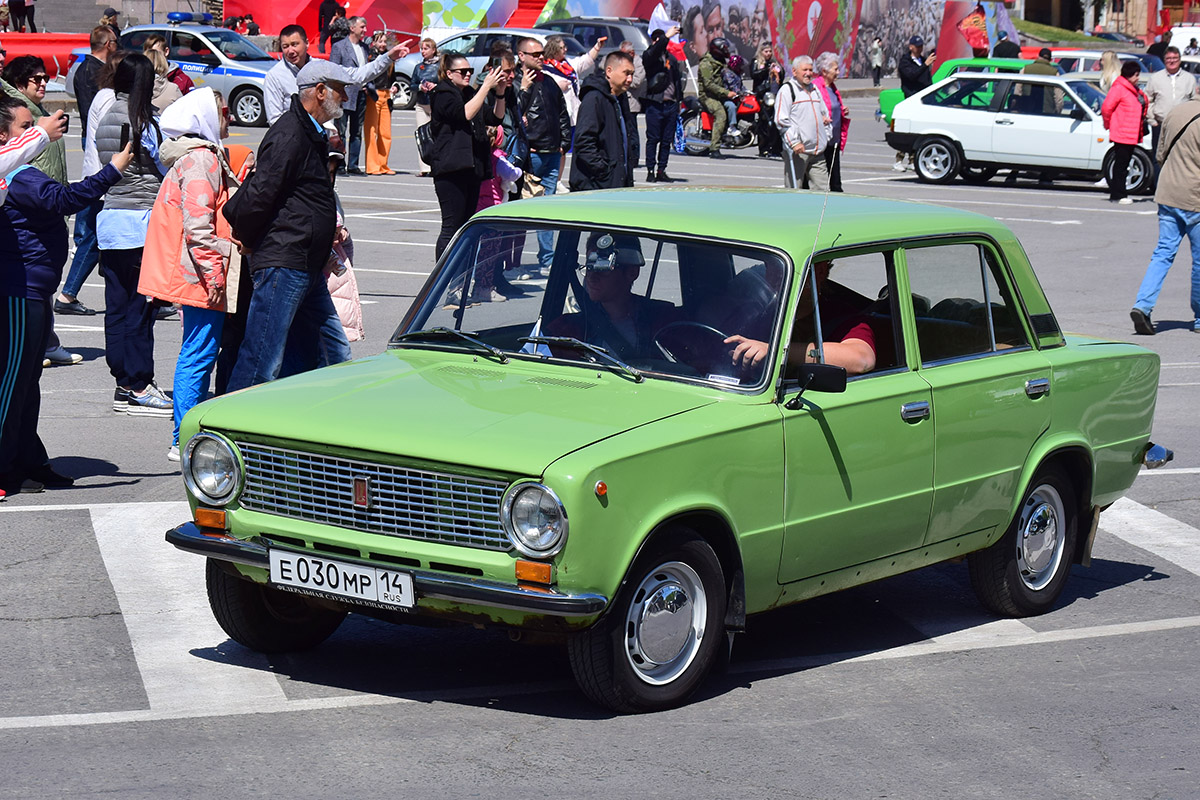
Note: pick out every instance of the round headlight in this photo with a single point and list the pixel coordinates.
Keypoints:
(535, 520)
(210, 468)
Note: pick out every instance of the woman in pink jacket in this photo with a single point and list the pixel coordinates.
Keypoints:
(827, 68)
(1124, 113)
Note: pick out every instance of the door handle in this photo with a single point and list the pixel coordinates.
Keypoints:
(1037, 387)
(915, 412)
(1004, 122)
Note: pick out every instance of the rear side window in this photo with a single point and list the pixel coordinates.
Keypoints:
(972, 93)
(961, 303)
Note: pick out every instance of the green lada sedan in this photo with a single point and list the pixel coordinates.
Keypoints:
(713, 403)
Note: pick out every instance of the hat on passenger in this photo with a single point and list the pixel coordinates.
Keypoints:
(607, 251)
(917, 41)
(318, 71)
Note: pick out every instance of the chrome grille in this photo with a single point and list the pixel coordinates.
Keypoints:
(415, 504)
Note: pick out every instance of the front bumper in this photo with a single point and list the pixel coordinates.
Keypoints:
(469, 591)
(903, 142)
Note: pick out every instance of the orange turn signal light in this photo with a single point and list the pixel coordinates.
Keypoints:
(210, 518)
(601, 488)
(535, 572)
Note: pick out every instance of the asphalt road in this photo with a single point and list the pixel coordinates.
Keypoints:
(117, 682)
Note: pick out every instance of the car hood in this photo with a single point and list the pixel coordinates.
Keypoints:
(450, 408)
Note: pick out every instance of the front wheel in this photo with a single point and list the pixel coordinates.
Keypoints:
(936, 161)
(264, 619)
(403, 97)
(662, 635)
(1023, 573)
(248, 109)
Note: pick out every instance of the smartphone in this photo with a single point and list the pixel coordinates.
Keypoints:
(66, 122)
(124, 134)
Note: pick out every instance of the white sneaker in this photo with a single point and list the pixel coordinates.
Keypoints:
(899, 166)
(1125, 201)
(173, 453)
(60, 356)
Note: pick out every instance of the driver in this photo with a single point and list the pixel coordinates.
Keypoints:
(849, 340)
(614, 317)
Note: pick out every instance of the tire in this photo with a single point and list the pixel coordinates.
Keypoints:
(936, 160)
(248, 108)
(405, 98)
(695, 143)
(662, 634)
(1141, 172)
(978, 173)
(264, 619)
(1023, 573)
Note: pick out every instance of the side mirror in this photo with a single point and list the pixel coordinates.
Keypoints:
(1079, 113)
(818, 378)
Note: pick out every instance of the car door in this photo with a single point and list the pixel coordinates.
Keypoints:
(991, 389)
(1043, 124)
(859, 464)
(198, 59)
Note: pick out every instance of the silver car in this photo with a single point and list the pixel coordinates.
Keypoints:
(218, 58)
(476, 45)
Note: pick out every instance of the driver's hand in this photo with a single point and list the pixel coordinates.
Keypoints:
(747, 353)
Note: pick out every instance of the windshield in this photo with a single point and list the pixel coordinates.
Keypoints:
(237, 47)
(640, 304)
(1088, 93)
(574, 46)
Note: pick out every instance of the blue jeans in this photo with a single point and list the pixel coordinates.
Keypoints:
(546, 167)
(660, 132)
(291, 327)
(1173, 225)
(197, 357)
(87, 252)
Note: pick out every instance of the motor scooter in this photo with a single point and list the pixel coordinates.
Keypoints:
(697, 125)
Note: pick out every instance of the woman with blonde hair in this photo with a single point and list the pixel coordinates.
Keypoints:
(424, 81)
(165, 92)
(568, 73)
(1110, 69)
(174, 74)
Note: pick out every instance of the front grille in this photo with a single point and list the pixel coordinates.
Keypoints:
(415, 504)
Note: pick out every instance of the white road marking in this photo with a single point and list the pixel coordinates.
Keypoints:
(392, 271)
(1154, 532)
(1042, 221)
(1181, 471)
(59, 326)
(165, 608)
(384, 241)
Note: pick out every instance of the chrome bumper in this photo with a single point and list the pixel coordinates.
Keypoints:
(223, 547)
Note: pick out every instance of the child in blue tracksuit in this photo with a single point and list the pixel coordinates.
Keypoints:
(33, 250)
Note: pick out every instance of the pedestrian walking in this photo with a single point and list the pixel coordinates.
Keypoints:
(876, 58)
(803, 119)
(325, 14)
(826, 68)
(664, 91)
(285, 215)
(1178, 199)
(424, 80)
(603, 152)
(461, 152)
(1124, 112)
(189, 244)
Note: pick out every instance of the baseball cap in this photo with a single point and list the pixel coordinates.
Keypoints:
(109, 12)
(917, 41)
(1003, 34)
(318, 71)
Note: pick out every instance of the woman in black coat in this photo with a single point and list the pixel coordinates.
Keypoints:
(462, 154)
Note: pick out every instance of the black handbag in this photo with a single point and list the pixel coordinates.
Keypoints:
(424, 136)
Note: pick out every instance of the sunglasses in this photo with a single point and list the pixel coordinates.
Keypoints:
(38, 78)
(466, 72)
(538, 54)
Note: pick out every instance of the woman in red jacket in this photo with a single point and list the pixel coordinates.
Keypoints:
(1124, 113)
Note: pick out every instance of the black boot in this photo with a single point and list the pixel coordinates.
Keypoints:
(663, 177)
(650, 176)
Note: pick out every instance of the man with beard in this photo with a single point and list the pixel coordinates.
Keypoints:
(285, 216)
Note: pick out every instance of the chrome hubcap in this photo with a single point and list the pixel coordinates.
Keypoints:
(665, 624)
(1040, 538)
(248, 107)
(935, 160)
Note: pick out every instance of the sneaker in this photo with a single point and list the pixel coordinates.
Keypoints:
(715, 154)
(153, 387)
(149, 404)
(121, 400)
(3, 495)
(1141, 322)
(173, 453)
(62, 357)
(489, 295)
(30, 486)
(899, 166)
(166, 312)
(1125, 201)
(45, 474)
(74, 307)
(1196, 326)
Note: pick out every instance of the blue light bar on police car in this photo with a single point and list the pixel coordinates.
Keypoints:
(189, 16)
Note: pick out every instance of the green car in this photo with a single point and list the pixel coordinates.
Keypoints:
(671, 433)
(888, 98)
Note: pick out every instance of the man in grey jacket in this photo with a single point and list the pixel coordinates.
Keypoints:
(1178, 198)
(803, 118)
(353, 53)
(1166, 89)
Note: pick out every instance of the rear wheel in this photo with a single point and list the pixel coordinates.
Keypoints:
(248, 109)
(1024, 572)
(1140, 175)
(663, 633)
(936, 160)
(264, 619)
(403, 97)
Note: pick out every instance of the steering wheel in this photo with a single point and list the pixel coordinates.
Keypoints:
(692, 343)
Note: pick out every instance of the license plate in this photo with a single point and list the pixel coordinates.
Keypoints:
(322, 576)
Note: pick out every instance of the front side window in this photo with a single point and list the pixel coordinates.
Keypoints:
(961, 303)
(972, 93)
(1037, 99)
(663, 306)
(236, 47)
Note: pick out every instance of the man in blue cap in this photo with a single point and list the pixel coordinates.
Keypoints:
(914, 76)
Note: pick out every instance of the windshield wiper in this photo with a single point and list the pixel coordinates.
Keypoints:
(596, 350)
(466, 336)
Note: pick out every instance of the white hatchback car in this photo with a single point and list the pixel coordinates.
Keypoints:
(974, 124)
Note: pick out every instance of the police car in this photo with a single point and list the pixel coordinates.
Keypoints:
(215, 57)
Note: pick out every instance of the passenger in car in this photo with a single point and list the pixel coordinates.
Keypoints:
(848, 332)
(613, 316)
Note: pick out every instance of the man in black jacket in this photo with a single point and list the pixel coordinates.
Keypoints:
(603, 148)
(285, 216)
(914, 67)
(664, 90)
(547, 128)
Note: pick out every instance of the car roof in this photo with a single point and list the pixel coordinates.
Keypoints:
(168, 27)
(1000, 76)
(784, 218)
